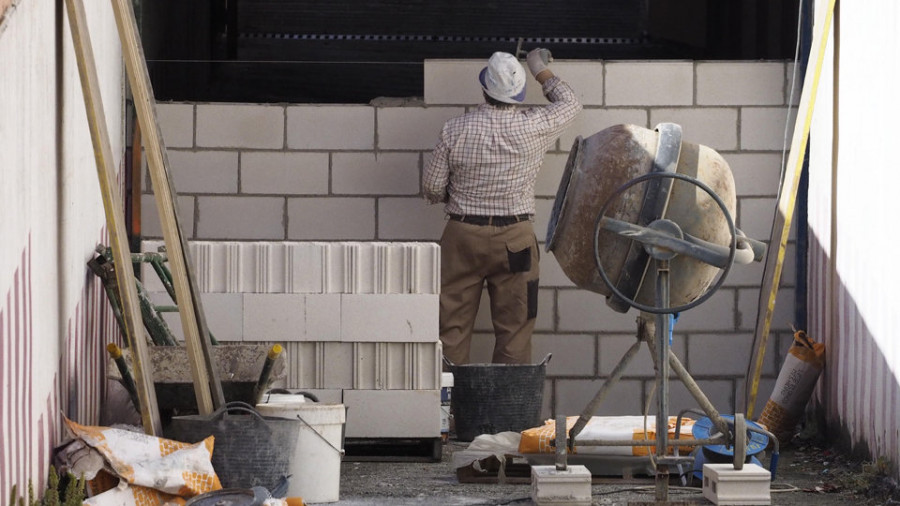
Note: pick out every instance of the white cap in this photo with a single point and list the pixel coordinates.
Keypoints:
(504, 78)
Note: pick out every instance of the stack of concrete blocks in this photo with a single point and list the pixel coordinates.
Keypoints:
(358, 321)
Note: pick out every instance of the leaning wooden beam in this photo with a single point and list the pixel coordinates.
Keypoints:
(112, 205)
(787, 199)
(204, 372)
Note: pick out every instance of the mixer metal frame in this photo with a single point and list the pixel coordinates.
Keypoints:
(663, 240)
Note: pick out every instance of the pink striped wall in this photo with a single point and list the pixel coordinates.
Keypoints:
(16, 423)
(30, 421)
(858, 394)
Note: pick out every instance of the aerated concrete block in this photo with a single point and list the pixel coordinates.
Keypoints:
(569, 487)
(389, 317)
(723, 485)
(393, 413)
(363, 366)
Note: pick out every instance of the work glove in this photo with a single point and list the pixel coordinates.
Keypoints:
(538, 59)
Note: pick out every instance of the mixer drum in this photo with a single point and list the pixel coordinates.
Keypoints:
(596, 168)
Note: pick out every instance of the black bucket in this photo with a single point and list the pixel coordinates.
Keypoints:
(249, 449)
(493, 398)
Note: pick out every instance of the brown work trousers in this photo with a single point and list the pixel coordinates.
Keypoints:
(506, 258)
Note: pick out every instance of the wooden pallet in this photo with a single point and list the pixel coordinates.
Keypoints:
(517, 470)
(393, 449)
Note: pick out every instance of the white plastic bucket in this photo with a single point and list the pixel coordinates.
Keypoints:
(316, 465)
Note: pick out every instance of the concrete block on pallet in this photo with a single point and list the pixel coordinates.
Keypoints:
(322, 319)
(273, 317)
(321, 395)
(338, 368)
(327, 395)
(393, 413)
(569, 487)
(389, 317)
(425, 269)
(359, 267)
(306, 267)
(363, 366)
(384, 268)
(724, 485)
(304, 362)
(266, 267)
(396, 366)
(223, 311)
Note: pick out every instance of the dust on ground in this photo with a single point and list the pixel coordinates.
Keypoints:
(809, 472)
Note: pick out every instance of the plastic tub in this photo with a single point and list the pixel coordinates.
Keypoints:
(315, 467)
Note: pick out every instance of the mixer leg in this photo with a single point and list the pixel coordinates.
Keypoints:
(592, 407)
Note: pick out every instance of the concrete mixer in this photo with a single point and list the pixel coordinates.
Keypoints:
(595, 173)
(646, 219)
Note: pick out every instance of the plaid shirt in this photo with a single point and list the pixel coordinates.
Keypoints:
(487, 160)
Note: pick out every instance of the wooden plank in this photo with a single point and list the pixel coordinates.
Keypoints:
(112, 206)
(784, 214)
(207, 386)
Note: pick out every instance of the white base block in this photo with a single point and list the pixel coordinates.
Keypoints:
(723, 485)
(393, 413)
(570, 487)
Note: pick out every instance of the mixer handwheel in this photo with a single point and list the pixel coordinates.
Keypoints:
(664, 238)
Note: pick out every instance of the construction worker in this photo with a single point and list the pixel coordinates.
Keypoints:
(483, 169)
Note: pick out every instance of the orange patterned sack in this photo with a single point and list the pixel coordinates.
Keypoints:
(539, 439)
(155, 470)
(794, 386)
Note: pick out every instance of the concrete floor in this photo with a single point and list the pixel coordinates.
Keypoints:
(419, 483)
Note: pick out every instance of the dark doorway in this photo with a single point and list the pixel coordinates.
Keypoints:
(346, 51)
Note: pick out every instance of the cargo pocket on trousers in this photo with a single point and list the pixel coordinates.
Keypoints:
(519, 256)
(532, 299)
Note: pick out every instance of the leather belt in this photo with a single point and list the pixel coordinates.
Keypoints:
(496, 221)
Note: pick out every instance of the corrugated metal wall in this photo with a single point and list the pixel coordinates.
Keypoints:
(853, 205)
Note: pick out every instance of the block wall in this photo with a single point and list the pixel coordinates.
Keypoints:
(301, 172)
